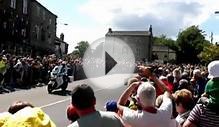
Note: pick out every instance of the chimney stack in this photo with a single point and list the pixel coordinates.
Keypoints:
(62, 36)
(110, 30)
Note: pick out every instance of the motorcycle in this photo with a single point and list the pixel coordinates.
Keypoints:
(57, 81)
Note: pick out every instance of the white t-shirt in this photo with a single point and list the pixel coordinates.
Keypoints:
(98, 119)
(145, 119)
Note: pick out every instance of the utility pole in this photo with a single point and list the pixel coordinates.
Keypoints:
(211, 37)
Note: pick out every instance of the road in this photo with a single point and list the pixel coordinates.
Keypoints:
(55, 104)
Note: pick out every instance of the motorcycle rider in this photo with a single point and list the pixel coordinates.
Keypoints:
(59, 72)
(60, 69)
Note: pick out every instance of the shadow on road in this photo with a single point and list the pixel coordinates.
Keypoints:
(62, 93)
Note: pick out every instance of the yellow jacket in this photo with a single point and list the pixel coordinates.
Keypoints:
(29, 117)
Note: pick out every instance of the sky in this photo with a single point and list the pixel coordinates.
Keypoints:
(89, 20)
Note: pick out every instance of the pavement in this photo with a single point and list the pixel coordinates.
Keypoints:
(55, 104)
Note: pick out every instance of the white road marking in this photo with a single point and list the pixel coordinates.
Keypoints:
(61, 101)
(54, 103)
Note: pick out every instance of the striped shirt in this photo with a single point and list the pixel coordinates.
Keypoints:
(202, 116)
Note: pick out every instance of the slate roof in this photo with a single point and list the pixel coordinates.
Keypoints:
(129, 33)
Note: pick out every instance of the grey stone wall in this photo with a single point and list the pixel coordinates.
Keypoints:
(43, 27)
(139, 45)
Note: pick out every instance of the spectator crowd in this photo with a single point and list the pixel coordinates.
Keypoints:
(159, 95)
(27, 72)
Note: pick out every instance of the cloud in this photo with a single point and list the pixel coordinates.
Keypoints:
(166, 16)
(74, 34)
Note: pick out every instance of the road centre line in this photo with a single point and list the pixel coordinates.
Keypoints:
(61, 101)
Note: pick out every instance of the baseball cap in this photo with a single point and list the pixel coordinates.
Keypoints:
(213, 69)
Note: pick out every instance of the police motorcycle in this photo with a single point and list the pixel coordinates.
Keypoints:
(58, 78)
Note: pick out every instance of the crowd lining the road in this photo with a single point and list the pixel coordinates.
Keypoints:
(27, 72)
(160, 95)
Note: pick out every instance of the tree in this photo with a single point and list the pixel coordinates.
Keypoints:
(210, 53)
(81, 48)
(163, 40)
(190, 43)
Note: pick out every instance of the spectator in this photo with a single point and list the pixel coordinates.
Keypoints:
(177, 77)
(24, 114)
(184, 104)
(146, 95)
(84, 101)
(18, 105)
(3, 67)
(29, 117)
(111, 106)
(200, 82)
(4, 117)
(167, 83)
(207, 114)
(184, 84)
(71, 113)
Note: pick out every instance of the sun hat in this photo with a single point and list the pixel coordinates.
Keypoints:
(213, 69)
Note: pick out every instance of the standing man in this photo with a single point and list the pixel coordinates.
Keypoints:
(148, 114)
(84, 101)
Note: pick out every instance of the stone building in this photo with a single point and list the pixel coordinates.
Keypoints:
(61, 46)
(162, 53)
(14, 25)
(139, 41)
(26, 27)
(42, 29)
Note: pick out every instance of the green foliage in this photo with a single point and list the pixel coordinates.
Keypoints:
(81, 48)
(190, 42)
(209, 53)
(163, 40)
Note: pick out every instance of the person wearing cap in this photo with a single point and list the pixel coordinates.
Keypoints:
(206, 114)
(149, 115)
(84, 100)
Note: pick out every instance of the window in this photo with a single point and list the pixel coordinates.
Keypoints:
(50, 21)
(38, 10)
(24, 6)
(43, 35)
(13, 4)
(37, 31)
(44, 15)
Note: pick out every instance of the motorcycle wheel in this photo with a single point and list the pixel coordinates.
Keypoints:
(49, 88)
(64, 86)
